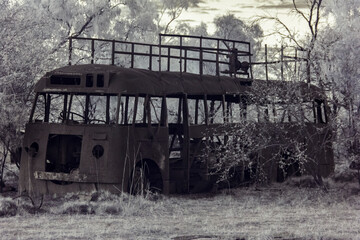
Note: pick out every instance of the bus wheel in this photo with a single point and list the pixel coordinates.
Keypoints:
(146, 178)
(139, 182)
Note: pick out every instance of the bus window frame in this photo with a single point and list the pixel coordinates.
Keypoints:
(225, 103)
(67, 102)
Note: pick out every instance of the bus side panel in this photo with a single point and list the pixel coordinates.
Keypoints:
(108, 170)
(31, 159)
(319, 147)
(102, 160)
(151, 143)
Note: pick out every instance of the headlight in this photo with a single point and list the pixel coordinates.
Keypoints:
(98, 151)
(33, 149)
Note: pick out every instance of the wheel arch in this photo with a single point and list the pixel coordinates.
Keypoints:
(153, 173)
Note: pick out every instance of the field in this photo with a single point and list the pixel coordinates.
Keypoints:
(286, 211)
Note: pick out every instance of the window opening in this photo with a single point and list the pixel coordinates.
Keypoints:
(176, 134)
(39, 109)
(263, 113)
(100, 80)
(97, 109)
(174, 110)
(113, 100)
(197, 113)
(55, 104)
(121, 110)
(243, 108)
(140, 116)
(63, 154)
(64, 80)
(155, 109)
(296, 113)
(128, 106)
(89, 80)
(192, 111)
(228, 112)
(216, 114)
(252, 113)
(77, 108)
(323, 112)
(200, 112)
(272, 112)
(315, 113)
(320, 111)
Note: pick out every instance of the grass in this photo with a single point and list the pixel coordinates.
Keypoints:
(270, 213)
(293, 210)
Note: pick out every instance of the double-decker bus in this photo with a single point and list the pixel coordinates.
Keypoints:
(116, 126)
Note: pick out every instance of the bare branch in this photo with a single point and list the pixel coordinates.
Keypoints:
(317, 18)
(175, 14)
(311, 16)
(300, 12)
(290, 35)
(85, 26)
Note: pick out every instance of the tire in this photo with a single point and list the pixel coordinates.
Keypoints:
(139, 182)
(145, 178)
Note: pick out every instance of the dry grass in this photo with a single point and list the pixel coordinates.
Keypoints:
(276, 212)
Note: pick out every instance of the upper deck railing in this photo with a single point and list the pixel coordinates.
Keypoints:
(181, 53)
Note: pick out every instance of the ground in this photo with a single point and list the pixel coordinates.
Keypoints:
(280, 211)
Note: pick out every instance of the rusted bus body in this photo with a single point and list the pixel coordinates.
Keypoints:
(113, 128)
(92, 127)
(285, 139)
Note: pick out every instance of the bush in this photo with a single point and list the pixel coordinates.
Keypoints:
(77, 207)
(7, 207)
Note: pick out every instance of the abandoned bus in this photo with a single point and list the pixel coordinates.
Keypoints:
(110, 127)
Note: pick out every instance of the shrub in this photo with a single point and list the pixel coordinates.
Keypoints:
(7, 207)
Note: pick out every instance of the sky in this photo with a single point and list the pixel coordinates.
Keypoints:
(247, 10)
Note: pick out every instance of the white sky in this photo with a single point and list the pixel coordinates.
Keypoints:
(246, 10)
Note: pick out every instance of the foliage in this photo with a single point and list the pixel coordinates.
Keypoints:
(20, 64)
(34, 41)
(230, 27)
(7, 207)
(37, 30)
(244, 157)
(172, 9)
(272, 140)
(337, 64)
(330, 51)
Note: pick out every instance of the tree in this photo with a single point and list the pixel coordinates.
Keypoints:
(312, 18)
(170, 10)
(230, 27)
(336, 60)
(331, 47)
(21, 62)
(34, 37)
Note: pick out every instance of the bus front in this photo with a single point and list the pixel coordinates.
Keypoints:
(69, 133)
